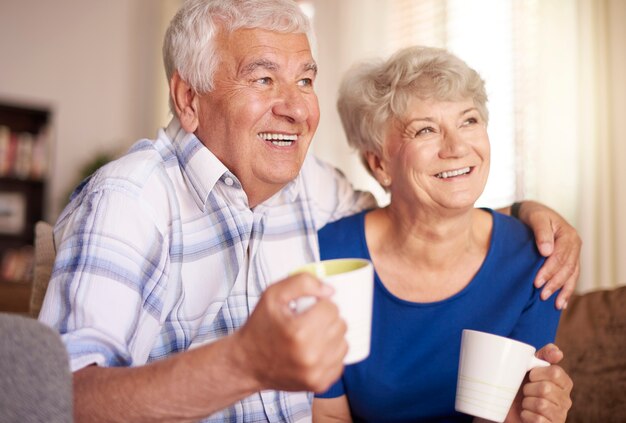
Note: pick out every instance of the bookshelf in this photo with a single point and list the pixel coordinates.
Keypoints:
(24, 142)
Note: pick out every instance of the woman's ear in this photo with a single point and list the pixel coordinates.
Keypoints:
(185, 101)
(377, 167)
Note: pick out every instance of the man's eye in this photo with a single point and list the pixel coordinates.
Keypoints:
(264, 81)
(306, 82)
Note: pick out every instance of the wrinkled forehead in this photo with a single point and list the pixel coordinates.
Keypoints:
(258, 45)
(428, 91)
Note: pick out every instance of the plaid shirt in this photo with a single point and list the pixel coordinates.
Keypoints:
(158, 252)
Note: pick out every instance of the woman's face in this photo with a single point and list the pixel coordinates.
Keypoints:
(438, 154)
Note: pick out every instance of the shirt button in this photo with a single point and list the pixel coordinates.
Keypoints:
(229, 181)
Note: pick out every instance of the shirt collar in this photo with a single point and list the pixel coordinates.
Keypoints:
(199, 166)
(202, 169)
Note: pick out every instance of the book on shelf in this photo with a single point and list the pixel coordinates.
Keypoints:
(17, 264)
(22, 154)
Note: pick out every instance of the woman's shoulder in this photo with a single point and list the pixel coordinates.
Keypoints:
(348, 223)
(342, 237)
(511, 227)
(511, 236)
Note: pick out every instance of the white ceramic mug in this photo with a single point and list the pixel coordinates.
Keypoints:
(353, 282)
(491, 370)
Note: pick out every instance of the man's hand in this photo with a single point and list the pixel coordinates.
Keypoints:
(290, 351)
(559, 242)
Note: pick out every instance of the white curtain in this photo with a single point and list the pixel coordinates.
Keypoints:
(602, 140)
(574, 156)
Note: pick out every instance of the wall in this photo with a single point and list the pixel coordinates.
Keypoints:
(343, 37)
(96, 64)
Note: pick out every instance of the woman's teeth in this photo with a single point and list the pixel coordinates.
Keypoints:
(280, 140)
(451, 173)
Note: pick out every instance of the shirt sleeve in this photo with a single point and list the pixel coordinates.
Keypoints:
(107, 293)
(538, 323)
(333, 195)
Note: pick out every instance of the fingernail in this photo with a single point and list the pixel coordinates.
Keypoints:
(564, 305)
(327, 289)
(540, 283)
(545, 248)
(545, 294)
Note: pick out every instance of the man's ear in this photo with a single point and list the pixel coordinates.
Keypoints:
(185, 101)
(377, 167)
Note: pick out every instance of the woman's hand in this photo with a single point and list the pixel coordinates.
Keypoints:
(546, 392)
(559, 242)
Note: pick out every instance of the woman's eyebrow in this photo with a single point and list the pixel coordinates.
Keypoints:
(471, 109)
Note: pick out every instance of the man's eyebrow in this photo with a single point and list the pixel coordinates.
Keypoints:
(311, 67)
(273, 66)
(261, 63)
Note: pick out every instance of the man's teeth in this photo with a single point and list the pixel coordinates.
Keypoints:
(280, 140)
(451, 173)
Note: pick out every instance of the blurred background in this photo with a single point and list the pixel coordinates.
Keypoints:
(92, 73)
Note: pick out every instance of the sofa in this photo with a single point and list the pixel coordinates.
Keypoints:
(592, 335)
(35, 379)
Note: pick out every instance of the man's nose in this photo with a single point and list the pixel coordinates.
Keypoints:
(291, 104)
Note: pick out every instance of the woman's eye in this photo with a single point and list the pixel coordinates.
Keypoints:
(470, 121)
(425, 131)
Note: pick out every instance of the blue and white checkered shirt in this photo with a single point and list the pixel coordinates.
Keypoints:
(158, 252)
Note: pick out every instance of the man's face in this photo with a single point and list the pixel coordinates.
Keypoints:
(263, 112)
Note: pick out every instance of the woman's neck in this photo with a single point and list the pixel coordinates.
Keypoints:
(444, 251)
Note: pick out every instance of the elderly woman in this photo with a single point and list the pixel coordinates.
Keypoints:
(419, 121)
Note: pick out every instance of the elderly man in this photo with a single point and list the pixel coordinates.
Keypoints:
(170, 286)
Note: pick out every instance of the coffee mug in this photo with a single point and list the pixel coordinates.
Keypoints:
(491, 370)
(353, 282)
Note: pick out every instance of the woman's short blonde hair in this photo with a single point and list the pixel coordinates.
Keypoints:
(375, 93)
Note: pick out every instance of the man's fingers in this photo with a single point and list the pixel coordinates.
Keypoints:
(561, 270)
(544, 234)
(567, 290)
(289, 290)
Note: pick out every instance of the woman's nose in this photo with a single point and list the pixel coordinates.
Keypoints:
(454, 145)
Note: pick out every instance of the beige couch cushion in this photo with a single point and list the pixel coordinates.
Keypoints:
(592, 335)
(44, 260)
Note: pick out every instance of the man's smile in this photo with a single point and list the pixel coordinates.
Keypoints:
(279, 140)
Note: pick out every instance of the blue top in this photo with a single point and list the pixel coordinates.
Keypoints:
(410, 374)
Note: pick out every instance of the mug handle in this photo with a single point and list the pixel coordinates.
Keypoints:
(537, 362)
(302, 304)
